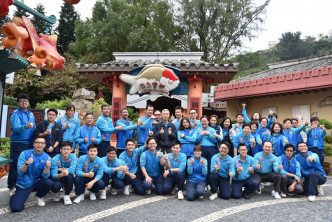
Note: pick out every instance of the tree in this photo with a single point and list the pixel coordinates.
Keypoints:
(218, 27)
(3, 20)
(38, 23)
(126, 25)
(20, 12)
(66, 27)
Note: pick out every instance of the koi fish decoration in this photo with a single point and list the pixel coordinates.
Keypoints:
(4, 7)
(73, 2)
(154, 79)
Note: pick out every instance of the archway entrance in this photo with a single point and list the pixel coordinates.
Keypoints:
(165, 102)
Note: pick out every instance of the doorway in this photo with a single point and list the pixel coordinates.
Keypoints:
(165, 102)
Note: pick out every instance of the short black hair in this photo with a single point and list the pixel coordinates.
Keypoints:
(39, 137)
(179, 107)
(268, 142)
(242, 144)
(88, 114)
(204, 116)
(246, 124)
(301, 143)
(290, 145)
(239, 114)
(176, 142)
(275, 115)
(130, 140)
(226, 143)
(315, 118)
(252, 123)
(69, 107)
(66, 143)
(53, 110)
(91, 146)
(147, 106)
(102, 107)
(151, 138)
(110, 149)
(287, 119)
(22, 96)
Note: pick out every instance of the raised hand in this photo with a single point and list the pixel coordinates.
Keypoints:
(243, 105)
(140, 123)
(230, 174)
(252, 140)
(50, 149)
(64, 173)
(271, 112)
(202, 162)
(297, 179)
(314, 127)
(169, 131)
(216, 167)
(286, 141)
(67, 126)
(172, 117)
(195, 123)
(165, 156)
(91, 173)
(280, 166)
(258, 166)
(152, 117)
(93, 139)
(30, 160)
(191, 162)
(132, 176)
(158, 154)
(310, 158)
(29, 125)
(48, 163)
(240, 168)
(119, 127)
(86, 139)
(236, 126)
(251, 169)
(215, 135)
(162, 130)
(322, 126)
(47, 132)
(150, 132)
(182, 135)
(166, 172)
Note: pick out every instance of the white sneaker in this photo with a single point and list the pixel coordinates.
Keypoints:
(213, 196)
(180, 195)
(275, 194)
(320, 191)
(92, 196)
(40, 201)
(268, 184)
(282, 194)
(12, 191)
(126, 190)
(173, 191)
(79, 198)
(114, 191)
(312, 198)
(66, 200)
(56, 196)
(102, 195)
(200, 197)
(148, 192)
(260, 188)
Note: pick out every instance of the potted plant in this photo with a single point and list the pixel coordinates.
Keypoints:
(327, 158)
(5, 153)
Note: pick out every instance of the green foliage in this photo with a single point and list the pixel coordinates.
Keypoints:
(328, 139)
(56, 104)
(37, 22)
(10, 101)
(20, 12)
(328, 150)
(3, 20)
(5, 147)
(98, 103)
(327, 124)
(133, 115)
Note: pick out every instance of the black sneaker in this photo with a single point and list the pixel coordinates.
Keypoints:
(246, 195)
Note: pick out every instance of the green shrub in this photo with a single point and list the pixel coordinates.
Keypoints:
(98, 103)
(328, 150)
(328, 125)
(328, 139)
(56, 104)
(133, 115)
(5, 147)
(10, 101)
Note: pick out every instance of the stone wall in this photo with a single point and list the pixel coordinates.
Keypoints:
(83, 101)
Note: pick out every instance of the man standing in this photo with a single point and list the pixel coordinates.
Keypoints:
(165, 132)
(106, 127)
(194, 122)
(52, 132)
(178, 116)
(157, 115)
(268, 162)
(143, 130)
(70, 125)
(22, 125)
(312, 171)
(33, 172)
(315, 138)
(127, 131)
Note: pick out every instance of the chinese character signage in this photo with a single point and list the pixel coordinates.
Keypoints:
(195, 103)
(116, 112)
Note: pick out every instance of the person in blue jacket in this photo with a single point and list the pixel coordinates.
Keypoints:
(295, 124)
(151, 163)
(87, 134)
(174, 174)
(291, 172)
(62, 171)
(256, 117)
(245, 167)
(219, 133)
(70, 125)
(114, 170)
(228, 134)
(144, 130)
(278, 139)
(291, 133)
(197, 171)
(263, 132)
(51, 131)
(89, 173)
(157, 119)
(237, 127)
(105, 125)
(178, 116)
(315, 138)
(22, 125)
(33, 171)
(269, 169)
(311, 170)
(195, 123)
(254, 132)
(244, 137)
(222, 169)
(130, 159)
(127, 132)
(186, 138)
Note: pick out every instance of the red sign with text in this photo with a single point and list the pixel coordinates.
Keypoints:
(195, 103)
(116, 112)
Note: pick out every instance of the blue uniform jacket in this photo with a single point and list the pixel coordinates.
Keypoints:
(225, 165)
(176, 123)
(247, 120)
(290, 166)
(143, 131)
(70, 133)
(179, 162)
(292, 134)
(315, 138)
(85, 131)
(34, 171)
(132, 160)
(187, 142)
(240, 138)
(20, 133)
(151, 163)
(263, 133)
(128, 131)
(108, 167)
(206, 140)
(84, 165)
(248, 162)
(55, 136)
(257, 140)
(267, 163)
(197, 172)
(199, 125)
(278, 142)
(106, 127)
(58, 162)
(308, 167)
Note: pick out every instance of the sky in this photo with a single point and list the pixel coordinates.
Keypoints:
(309, 17)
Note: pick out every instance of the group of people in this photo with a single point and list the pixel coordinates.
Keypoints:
(230, 160)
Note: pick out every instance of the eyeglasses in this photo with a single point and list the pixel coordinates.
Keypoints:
(113, 153)
(192, 113)
(23, 100)
(68, 149)
(39, 143)
(243, 150)
(50, 114)
(289, 151)
(151, 143)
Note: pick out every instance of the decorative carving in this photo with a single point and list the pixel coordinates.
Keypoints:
(327, 101)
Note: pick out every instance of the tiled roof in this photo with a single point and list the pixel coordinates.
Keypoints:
(289, 67)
